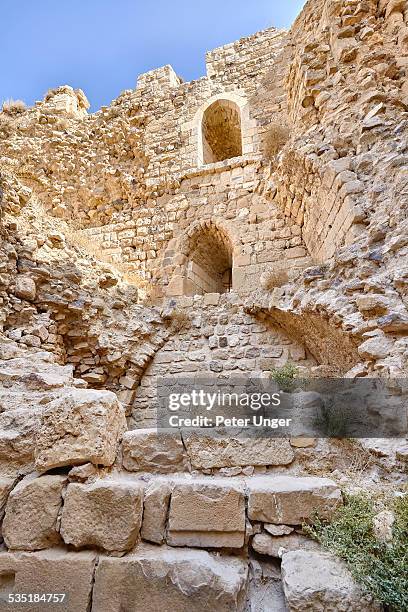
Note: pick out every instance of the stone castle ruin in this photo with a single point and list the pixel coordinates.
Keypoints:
(223, 227)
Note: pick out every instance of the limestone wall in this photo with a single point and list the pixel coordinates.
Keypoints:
(157, 242)
(217, 340)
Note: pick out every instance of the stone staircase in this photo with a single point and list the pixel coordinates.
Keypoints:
(137, 520)
(168, 538)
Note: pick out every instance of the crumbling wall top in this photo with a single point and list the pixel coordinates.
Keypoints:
(162, 78)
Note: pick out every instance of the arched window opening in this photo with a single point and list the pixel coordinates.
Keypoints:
(209, 267)
(221, 132)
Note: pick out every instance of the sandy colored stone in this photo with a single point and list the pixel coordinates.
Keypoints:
(31, 518)
(383, 525)
(207, 514)
(18, 430)
(302, 442)
(81, 426)
(48, 571)
(106, 514)
(377, 347)
(221, 451)
(291, 500)
(147, 450)
(25, 287)
(275, 546)
(318, 581)
(6, 485)
(278, 530)
(155, 511)
(161, 578)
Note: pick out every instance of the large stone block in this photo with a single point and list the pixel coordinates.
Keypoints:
(207, 514)
(156, 506)
(105, 513)
(30, 522)
(18, 429)
(318, 581)
(221, 451)
(152, 579)
(291, 500)
(25, 287)
(147, 450)
(48, 571)
(81, 426)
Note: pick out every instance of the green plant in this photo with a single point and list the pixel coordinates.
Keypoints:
(285, 376)
(333, 421)
(381, 568)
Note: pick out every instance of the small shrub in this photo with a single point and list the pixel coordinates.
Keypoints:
(13, 107)
(180, 320)
(275, 139)
(381, 568)
(333, 421)
(285, 376)
(274, 278)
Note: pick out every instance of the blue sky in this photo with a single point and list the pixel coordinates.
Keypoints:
(102, 45)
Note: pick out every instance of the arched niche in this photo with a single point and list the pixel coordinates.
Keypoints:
(222, 128)
(209, 261)
(221, 132)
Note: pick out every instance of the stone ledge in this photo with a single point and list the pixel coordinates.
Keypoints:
(170, 579)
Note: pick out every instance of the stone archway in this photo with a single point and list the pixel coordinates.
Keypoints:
(205, 256)
(209, 264)
(221, 128)
(221, 131)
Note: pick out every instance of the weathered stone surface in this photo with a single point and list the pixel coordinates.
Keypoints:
(221, 451)
(30, 521)
(291, 500)
(377, 347)
(372, 303)
(18, 429)
(6, 485)
(156, 506)
(318, 581)
(207, 514)
(382, 525)
(25, 287)
(266, 544)
(303, 442)
(278, 530)
(265, 587)
(147, 450)
(48, 571)
(79, 427)
(105, 513)
(152, 579)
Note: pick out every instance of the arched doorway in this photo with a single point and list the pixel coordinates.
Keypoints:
(209, 261)
(221, 131)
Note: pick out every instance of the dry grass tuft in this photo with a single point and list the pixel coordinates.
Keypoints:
(274, 278)
(13, 107)
(275, 139)
(180, 320)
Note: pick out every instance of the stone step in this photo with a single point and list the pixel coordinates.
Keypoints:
(147, 580)
(164, 578)
(147, 450)
(114, 512)
(152, 578)
(316, 580)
